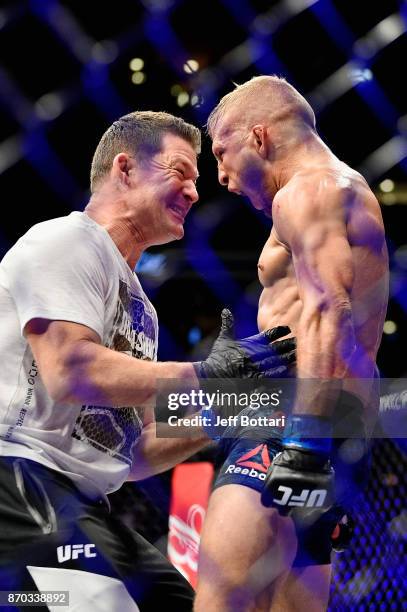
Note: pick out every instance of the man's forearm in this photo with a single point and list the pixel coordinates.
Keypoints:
(154, 455)
(94, 374)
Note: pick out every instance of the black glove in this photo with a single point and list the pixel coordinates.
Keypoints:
(301, 483)
(252, 357)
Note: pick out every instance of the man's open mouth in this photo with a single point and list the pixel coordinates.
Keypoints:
(178, 211)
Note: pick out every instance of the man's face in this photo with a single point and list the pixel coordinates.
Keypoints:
(240, 168)
(168, 183)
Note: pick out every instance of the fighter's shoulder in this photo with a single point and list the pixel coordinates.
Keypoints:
(322, 191)
(321, 182)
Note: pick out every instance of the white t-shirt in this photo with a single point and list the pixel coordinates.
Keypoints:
(70, 269)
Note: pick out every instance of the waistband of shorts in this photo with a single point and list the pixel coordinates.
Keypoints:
(56, 478)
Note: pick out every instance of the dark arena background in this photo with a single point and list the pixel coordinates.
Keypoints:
(70, 68)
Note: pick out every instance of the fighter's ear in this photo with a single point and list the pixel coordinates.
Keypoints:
(259, 133)
(121, 166)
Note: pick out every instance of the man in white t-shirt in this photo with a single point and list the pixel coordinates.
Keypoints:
(79, 346)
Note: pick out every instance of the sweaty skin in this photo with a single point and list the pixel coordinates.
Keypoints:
(281, 301)
(324, 271)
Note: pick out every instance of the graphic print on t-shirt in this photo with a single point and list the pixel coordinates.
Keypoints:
(115, 431)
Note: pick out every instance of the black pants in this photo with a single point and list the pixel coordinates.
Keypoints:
(45, 522)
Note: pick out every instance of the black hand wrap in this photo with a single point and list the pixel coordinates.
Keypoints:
(253, 357)
(300, 480)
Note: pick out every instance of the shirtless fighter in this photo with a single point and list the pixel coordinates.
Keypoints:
(324, 270)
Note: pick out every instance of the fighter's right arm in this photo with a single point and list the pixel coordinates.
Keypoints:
(301, 475)
(76, 368)
(316, 232)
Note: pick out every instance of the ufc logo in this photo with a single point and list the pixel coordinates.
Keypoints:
(315, 499)
(67, 552)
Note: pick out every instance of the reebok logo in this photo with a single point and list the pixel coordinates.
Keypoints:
(313, 499)
(246, 461)
(72, 551)
(259, 450)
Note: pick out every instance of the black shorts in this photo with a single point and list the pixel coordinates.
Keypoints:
(248, 453)
(48, 529)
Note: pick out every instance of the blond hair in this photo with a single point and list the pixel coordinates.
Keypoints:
(263, 97)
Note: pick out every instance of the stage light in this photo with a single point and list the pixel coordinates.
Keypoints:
(388, 199)
(176, 90)
(138, 78)
(182, 98)
(191, 66)
(360, 75)
(196, 99)
(194, 335)
(151, 264)
(398, 195)
(387, 185)
(389, 327)
(136, 64)
(49, 106)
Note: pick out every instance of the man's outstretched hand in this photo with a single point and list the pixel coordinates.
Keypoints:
(253, 357)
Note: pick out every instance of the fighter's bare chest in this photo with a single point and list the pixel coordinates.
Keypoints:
(275, 263)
